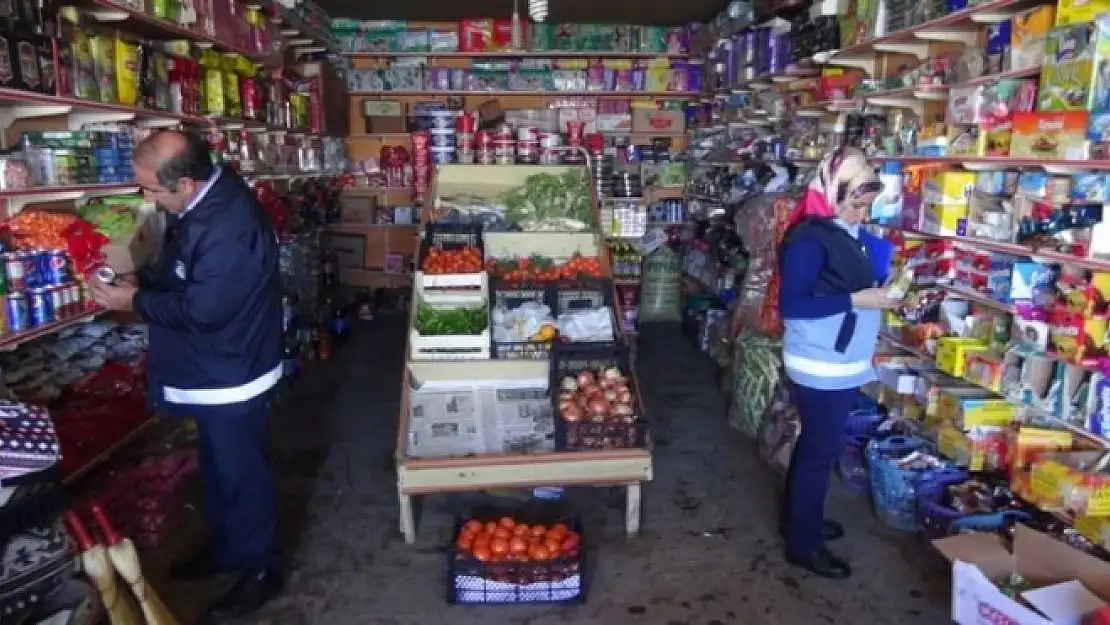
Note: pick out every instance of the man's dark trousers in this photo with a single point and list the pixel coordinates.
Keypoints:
(240, 499)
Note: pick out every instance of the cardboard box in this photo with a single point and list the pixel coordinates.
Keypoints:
(350, 249)
(383, 116)
(355, 209)
(1069, 584)
(651, 121)
(478, 407)
(125, 256)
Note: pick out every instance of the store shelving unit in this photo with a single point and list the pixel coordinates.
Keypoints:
(416, 476)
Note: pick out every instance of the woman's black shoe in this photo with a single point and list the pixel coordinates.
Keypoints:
(821, 563)
(830, 530)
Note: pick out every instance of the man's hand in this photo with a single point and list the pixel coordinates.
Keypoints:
(112, 297)
(129, 279)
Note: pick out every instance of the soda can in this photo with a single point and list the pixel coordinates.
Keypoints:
(13, 271)
(72, 298)
(52, 264)
(39, 306)
(32, 274)
(58, 301)
(17, 313)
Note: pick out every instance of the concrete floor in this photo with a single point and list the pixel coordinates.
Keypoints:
(708, 553)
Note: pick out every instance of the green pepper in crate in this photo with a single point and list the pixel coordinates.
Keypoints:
(451, 321)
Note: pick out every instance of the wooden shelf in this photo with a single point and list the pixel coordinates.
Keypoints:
(129, 20)
(123, 441)
(10, 342)
(501, 54)
(610, 95)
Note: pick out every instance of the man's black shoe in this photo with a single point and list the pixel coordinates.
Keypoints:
(821, 563)
(830, 530)
(256, 588)
(200, 566)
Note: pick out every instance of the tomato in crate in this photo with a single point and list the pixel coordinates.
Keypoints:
(510, 559)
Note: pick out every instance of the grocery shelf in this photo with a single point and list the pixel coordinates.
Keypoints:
(91, 189)
(549, 94)
(626, 281)
(11, 341)
(501, 54)
(139, 431)
(30, 104)
(1025, 409)
(957, 27)
(978, 298)
(150, 27)
(1028, 72)
(291, 21)
(986, 163)
(1049, 256)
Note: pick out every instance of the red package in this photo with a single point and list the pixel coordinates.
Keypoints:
(475, 35)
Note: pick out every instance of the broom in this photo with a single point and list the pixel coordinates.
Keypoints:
(94, 559)
(126, 560)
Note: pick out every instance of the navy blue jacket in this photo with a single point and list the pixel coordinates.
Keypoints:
(212, 301)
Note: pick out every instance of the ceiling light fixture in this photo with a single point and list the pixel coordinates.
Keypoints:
(537, 10)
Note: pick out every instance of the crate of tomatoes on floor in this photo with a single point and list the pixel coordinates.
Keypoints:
(451, 256)
(515, 560)
(596, 403)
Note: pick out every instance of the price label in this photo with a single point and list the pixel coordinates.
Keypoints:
(652, 240)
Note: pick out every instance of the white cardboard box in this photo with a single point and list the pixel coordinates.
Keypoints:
(1068, 583)
(459, 409)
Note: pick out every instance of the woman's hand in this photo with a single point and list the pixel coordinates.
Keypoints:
(874, 298)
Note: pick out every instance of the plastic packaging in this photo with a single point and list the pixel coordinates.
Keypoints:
(661, 290)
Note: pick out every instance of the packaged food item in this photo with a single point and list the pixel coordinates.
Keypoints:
(233, 103)
(103, 58)
(83, 78)
(214, 100)
(128, 59)
(15, 173)
(1052, 135)
(1027, 36)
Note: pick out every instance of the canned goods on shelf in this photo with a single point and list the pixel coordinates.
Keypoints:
(13, 271)
(485, 156)
(17, 311)
(464, 157)
(504, 159)
(39, 304)
(527, 133)
(483, 138)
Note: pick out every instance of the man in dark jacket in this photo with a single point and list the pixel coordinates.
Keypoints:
(212, 301)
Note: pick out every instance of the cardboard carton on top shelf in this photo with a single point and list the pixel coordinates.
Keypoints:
(143, 246)
(1069, 584)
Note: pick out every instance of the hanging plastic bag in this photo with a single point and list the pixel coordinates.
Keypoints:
(779, 430)
(756, 370)
(661, 287)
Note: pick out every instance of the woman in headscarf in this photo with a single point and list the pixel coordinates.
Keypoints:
(830, 300)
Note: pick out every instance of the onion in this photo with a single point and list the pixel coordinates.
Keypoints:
(569, 384)
(573, 414)
(624, 396)
(622, 410)
(585, 378)
(580, 400)
(610, 396)
(565, 405)
(566, 396)
(607, 383)
(598, 407)
(613, 373)
(593, 391)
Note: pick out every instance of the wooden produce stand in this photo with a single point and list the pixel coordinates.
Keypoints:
(527, 461)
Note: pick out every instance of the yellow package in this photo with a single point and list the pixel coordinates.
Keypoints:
(128, 59)
(104, 62)
(233, 103)
(214, 102)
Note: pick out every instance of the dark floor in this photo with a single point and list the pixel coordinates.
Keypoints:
(708, 553)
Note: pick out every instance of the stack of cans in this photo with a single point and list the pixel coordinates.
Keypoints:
(38, 289)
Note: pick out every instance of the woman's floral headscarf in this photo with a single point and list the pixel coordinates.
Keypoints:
(842, 175)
